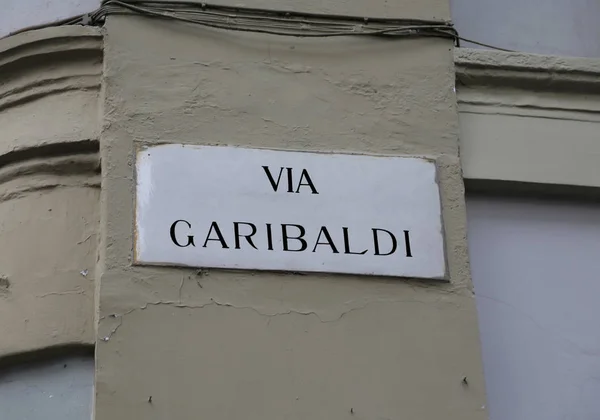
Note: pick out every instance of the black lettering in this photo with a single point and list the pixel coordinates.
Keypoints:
(347, 244)
(376, 241)
(298, 238)
(236, 231)
(309, 183)
(407, 243)
(289, 176)
(214, 226)
(329, 242)
(269, 238)
(190, 238)
(274, 184)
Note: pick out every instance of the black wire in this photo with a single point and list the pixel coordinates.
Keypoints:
(402, 30)
(68, 21)
(282, 22)
(286, 13)
(484, 45)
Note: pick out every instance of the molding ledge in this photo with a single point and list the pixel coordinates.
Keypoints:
(49, 90)
(528, 119)
(50, 83)
(476, 67)
(52, 60)
(50, 122)
(60, 165)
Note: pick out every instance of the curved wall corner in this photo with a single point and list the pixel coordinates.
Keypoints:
(49, 187)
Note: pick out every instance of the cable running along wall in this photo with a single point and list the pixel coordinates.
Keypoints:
(275, 22)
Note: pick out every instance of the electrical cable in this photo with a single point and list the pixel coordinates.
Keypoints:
(482, 44)
(267, 21)
(245, 20)
(73, 20)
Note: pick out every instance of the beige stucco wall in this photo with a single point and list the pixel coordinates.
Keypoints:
(183, 343)
(238, 344)
(49, 188)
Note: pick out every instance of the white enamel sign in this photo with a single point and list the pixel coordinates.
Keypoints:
(205, 206)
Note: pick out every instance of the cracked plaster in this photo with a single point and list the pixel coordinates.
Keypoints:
(174, 342)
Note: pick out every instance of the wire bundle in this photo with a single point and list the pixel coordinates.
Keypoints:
(275, 22)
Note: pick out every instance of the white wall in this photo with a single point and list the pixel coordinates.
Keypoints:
(560, 27)
(17, 14)
(536, 271)
(61, 389)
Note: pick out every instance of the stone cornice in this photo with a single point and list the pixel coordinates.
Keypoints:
(528, 119)
(49, 93)
(50, 123)
(71, 164)
(49, 96)
(49, 61)
(528, 71)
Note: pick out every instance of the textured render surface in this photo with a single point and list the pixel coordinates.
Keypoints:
(49, 188)
(514, 69)
(524, 61)
(239, 344)
(47, 239)
(18, 14)
(529, 118)
(49, 90)
(59, 389)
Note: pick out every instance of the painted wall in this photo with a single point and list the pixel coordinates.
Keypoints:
(535, 271)
(58, 389)
(49, 217)
(49, 188)
(517, 110)
(176, 342)
(18, 14)
(228, 344)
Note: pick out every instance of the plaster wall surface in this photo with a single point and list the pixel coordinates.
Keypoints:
(48, 239)
(529, 118)
(49, 188)
(173, 343)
